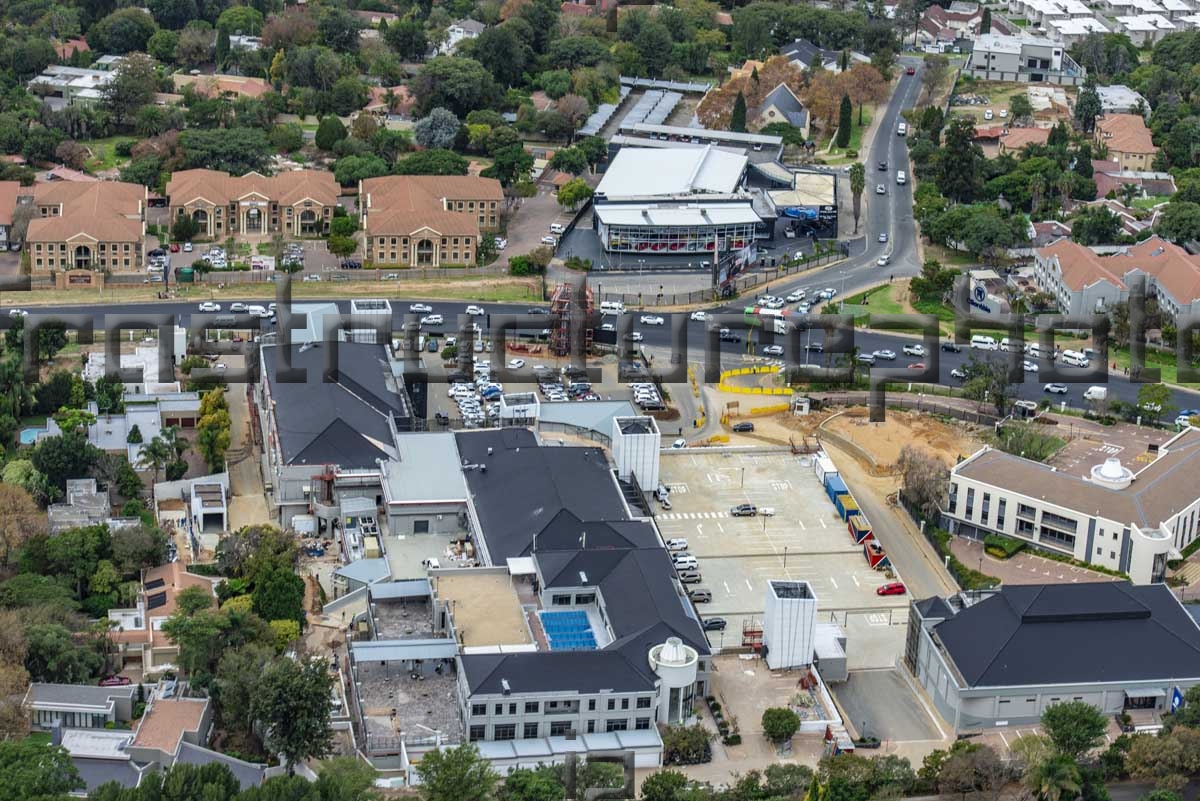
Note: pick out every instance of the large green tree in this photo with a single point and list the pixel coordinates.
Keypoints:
(36, 771)
(291, 705)
(456, 774)
(737, 117)
(233, 150)
(960, 162)
(279, 595)
(1074, 727)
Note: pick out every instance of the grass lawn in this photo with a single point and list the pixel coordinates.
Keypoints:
(1165, 362)
(950, 258)
(1020, 23)
(104, 152)
(880, 300)
(38, 737)
(1149, 202)
(837, 155)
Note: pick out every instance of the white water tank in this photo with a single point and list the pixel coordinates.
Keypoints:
(789, 624)
(635, 448)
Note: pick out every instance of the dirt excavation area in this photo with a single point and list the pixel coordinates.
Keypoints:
(876, 446)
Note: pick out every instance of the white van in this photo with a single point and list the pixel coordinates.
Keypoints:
(1034, 351)
(1007, 345)
(1074, 358)
(981, 342)
(557, 228)
(685, 562)
(1096, 393)
(901, 178)
(257, 311)
(612, 307)
(902, 129)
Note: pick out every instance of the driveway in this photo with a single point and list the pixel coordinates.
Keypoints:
(880, 703)
(530, 221)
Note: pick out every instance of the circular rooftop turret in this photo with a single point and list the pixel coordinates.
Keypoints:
(675, 662)
(1112, 474)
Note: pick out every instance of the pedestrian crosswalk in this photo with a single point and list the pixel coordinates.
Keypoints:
(691, 515)
(1107, 448)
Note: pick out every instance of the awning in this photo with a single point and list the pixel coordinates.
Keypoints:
(521, 566)
(1146, 692)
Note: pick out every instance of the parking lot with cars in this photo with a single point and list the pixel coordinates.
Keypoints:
(801, 537)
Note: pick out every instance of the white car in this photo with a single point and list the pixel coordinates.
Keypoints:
(421, 308)
(914, 350)
(17, 312)
(803, 307)
(698, 315)
(883, 260)
(1057, 389)
(958, 373)
(187, 247)
(475, 311)
(209, 306)
(652, 319)
(1028, 366)
(1003, 113)
(636, 336)
(608, 327)
(883, 237)
(880, 189)
(549, 240)
(237, 307)
(987, 115)
(516, 364)
(432, 319)
(796, 296)
(773, 350)
(501, 243)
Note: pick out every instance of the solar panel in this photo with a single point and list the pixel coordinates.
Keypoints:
(155, 584)
(156, 600)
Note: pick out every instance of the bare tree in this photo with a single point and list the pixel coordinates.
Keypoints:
(925, 480)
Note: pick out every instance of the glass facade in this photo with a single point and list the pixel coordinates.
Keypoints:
(44, 719)
(665, 239)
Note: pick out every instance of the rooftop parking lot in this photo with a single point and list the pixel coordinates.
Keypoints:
(804, 539)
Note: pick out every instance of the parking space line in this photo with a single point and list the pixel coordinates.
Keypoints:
(823, 523)
(1002, 737)
(727, 590)
(802, 526)
(833, 581)
(749, 586)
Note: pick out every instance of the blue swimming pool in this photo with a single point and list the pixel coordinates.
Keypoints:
(29, 435)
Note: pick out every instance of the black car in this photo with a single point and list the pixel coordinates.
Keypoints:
(815, 347)
(714, 624)
(883, 166)
(729, 336)
(351, 264)
(744, 510)
(442, 419)
(536, 310)
(951, 347)
(743, 428)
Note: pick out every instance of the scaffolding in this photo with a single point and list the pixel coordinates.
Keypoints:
(570, 308)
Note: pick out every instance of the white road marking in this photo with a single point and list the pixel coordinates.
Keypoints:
(833, 582)
(823, 525)
(722, 528)
(802, 526)
(856, 584)
(749, 586)
(1002, 737)
(727, 590)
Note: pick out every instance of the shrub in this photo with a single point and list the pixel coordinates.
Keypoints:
(1003, 547)
(686, 745)
(779, 724)
(733, 739)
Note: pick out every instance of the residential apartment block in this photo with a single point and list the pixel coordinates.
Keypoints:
(86, 226)
(1025, 59)
(1108, 515)
(428, 220)
(1086, 283)
(1128, 141)
(297, 203)
(1002, 657)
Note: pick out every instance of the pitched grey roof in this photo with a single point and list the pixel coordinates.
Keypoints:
(801, 50)
(96, 772)
(248, 774)
(1073, 634)
(934, 607)
(340, 419)
(78, 694)
(782, 98)
(581, 671)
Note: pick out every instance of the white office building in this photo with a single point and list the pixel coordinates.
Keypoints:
(1024, 59)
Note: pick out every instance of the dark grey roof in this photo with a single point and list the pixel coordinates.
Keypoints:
(547, 671)
(782, 98)
(78, 694)
(248, 774)
(341, 419)
(525, 486)
(804, 51)
(935, 607)
(566, 532)
(96, 772)
(1073, 634)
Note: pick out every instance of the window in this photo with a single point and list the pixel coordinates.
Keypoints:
(560, 600)
(1112, 554)
(953, 498)
(987, 505)
(512, 709)
(477, 733)
(592, 705)
(499, 709)
(612, 704)
(616, 725)
(504, 731)
(530, 732)
(531, 707)
(560, 728)
(642, 724)
(970, 503)
(585, 598)
(478, 710)
(643, 702)
(1025, 510)
(624, 703)
(591, 727)
(1000, 507)
(420, 527)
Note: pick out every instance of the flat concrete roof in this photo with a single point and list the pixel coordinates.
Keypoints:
(485, 607)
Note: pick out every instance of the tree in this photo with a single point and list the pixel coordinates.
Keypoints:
(1087, 106)
(573, 192)
(570, 159)
(20, 521)
(233, 150)
(456, 774)
(458, 84)
(960, 162)
(924, 479)
(1056, 779)
(137, 547)
(172, 13)
(502, 52)
(1019, 107)
(845, 122)
(865, 84)
(509, 165)
(1168, 760)
(36, 770)
(54, 656)
(1179, 222)
(432, 162)
(987, 381)
(63, 457)
(665, 785)
(338, 29)
(407, 37)
(524, 784)
(737, 119)
(349, 170)
(156, 455)
(330, 131)
(279, 595)
(1074, 727)
(858, 182)
(126, 30)
(1155, 400)
(779, 724)
(1095, 225)
(985, 24)
(437, 130)
(933, 73)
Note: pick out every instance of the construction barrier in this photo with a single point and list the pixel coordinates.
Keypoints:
(774, 408)
(756, 370)
(692, 381)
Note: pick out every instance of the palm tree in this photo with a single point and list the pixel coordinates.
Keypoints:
(858, 182)
(1054, 779)
(1128, 193)
(157, 454)
(1037, 188)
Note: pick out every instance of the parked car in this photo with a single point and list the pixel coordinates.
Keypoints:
(886, 355)
(700, 595)
(796, 296)
(892, 588)
(1028, 366)
(549, 240)
(209, 306)
(501, 243)
(950, 346)
(174, 247)
(115, 681)
(237, 307)
(698, 315)
(475, 311)
(744, 510)
(714, 624)
(679, 443)
(187, 247)
(743, 428)
(678, 544)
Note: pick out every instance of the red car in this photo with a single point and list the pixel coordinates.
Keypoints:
(911, 71)
(115, 681)
(174, 247)
(894, 588)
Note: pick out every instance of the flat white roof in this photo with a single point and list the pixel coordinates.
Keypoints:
(705, 133)
(692, 214)
(638, 172)
(1146, 22)
(1077, 26)
(97, 743)
(996, 43)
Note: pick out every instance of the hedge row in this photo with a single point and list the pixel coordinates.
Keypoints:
(967, 578)
(1002, 547)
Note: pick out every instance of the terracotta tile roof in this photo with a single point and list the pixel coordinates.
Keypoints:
(167, 720)
(65, 49)
(61, 173)
(405, 204)
(285, 188)
(993, 132)
(1125, 133)
(722, 19)
(174, 578)
(223, 84)
(1018, 138)
(1175, 270)
(577, 9)
(1080, 266)
(108, 211)
(8, 200)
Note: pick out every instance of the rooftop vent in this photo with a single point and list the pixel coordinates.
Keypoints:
(505, 686)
